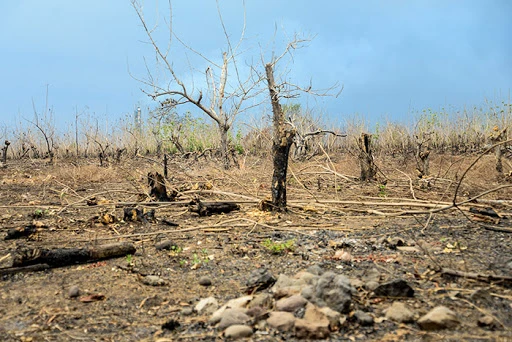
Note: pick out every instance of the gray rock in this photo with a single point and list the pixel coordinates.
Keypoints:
(291, 304)
(255, 311)
(286, 286)
(153, 280)
(187, 311)
(74, 291)
(395, 288)
(165, 245)
(205, 281)
(333, 290)
(438, 318)
(233, 316)
(238, 331)
(371, 285)
(237, 303)
(263, 300)
(306, 277)
(282, 321)
(312, 330)
(371, 275)
(487, 321)
(482, 297)
(308, 292)
(315, 269)
(356, 282)
(399, 312)
(363, 318)
(206, 306)
(333, 317)
(259, 279)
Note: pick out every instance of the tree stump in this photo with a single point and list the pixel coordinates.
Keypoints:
(368, 169)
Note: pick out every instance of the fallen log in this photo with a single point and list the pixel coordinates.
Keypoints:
(477, 276)
(497, 229)
(69, 256)
(207, 209)
(16, 233)
(24, 269)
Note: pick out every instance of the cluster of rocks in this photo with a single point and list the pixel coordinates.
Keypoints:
(313, 304)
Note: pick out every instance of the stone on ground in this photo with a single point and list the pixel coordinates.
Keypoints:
(363, 318)
(263, 300)
(332, 290)
(400, 313)
(394, 288)
(291, 304)
(281, 320)
(233, 316)
(205, 281)
(312, 330)
(438, 318)
(259, 279)
(238, 331)
(206, 306)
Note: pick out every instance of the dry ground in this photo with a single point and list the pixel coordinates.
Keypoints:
(328, 213)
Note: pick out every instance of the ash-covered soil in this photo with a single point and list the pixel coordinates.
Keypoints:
(333, 222)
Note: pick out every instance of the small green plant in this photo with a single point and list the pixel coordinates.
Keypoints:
(279, 247)
(201, 257)
(129, 259)
(382, 190)
(183, 262)
(38, 213)
(176, 250)
(196, 260)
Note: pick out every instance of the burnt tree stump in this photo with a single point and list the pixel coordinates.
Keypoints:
(368, 170)
(207, 209)
(158, 189)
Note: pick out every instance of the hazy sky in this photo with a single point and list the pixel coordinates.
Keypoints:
(390, 56)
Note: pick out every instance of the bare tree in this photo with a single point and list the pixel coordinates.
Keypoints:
(309, 132)
(284, 130)
(227, 85)
(44, 123)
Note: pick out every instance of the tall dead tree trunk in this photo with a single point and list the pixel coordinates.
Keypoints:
(282, 141)
(4, 153)
(224, 145)
(368, 171)
(423, 154)
(498, 136)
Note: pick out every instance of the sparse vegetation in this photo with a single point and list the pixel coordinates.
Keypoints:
(275, 247)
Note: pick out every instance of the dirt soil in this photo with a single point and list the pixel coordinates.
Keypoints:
(329, 212)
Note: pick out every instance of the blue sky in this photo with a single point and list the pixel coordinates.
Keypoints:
(391, 56)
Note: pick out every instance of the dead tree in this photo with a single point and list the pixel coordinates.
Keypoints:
(368, 169)
(284, 131)
(44, 123)
(498, 136)
(282, 141)
(4, 153)
(302, 143)
(225, 94)
(423, 154)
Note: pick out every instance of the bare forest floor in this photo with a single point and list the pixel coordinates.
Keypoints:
(329, 212)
